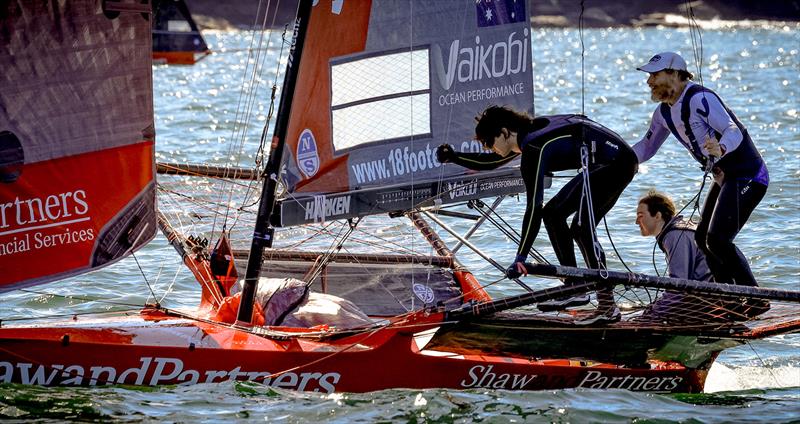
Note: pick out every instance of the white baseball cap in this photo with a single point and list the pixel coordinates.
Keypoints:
(666, 60)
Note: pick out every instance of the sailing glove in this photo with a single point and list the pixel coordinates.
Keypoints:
(445, 153)
(517, 269)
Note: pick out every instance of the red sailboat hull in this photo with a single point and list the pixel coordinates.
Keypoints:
(155, 348)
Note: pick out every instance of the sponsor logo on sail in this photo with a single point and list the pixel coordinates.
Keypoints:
(423, 292)
(44, 222)
(457, 190)
(307, 156)
(467, 63)
(323, 207)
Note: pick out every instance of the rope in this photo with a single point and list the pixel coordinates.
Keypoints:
(597, 250)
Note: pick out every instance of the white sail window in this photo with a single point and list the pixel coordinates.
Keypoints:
(178, 26)
(380, 98)
(382, 120)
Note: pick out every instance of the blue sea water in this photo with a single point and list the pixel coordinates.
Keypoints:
(755, 69)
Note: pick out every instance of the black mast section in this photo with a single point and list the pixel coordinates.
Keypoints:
(263, 232)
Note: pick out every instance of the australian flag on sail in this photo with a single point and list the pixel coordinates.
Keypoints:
(499, 12)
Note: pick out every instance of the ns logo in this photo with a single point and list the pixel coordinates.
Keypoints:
(307, 156)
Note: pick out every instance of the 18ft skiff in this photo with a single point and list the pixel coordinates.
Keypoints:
(371, 88)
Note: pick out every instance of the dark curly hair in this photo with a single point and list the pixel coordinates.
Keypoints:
(494, 118)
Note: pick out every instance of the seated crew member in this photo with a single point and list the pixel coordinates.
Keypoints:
(655, 216)
(547, 144)
(698, 118)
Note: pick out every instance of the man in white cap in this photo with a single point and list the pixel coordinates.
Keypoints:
(698, 118)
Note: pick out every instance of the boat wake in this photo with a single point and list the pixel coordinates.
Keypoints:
(726, 378)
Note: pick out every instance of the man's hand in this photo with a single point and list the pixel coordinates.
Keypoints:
(713, 147)
(719, 176)
(445, 153)
(517, 269)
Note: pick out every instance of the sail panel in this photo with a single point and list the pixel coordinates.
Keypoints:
(76, 138)
(382, 83)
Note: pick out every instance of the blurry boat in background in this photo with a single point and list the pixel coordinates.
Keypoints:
(176, 38)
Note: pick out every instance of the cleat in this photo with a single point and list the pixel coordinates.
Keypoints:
(608, 316)
(563, 303)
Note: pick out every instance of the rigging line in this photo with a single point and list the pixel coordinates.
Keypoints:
(168, 290)
(698, 56)
(477, 251)
(614, 246)
(653, 254)
(683, 233)
(583, 51)
(380, 282)
(134, 309)
(465, 18)
(510, 232)
(631, 296)
(250, 99)
(586, 196)
(411, 141)
(144, 276)
(200, 203)
(314, 233)
(239, 101)
(534, 253)
(87, 299)
(385, 242)
(483, 287)
(243, 92)
(533, 74)
(327, 256)
(260, 152)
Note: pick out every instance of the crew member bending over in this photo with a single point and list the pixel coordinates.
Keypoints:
(548, 144)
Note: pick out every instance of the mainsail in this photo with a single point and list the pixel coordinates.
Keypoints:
(382, 84)
(76, 137)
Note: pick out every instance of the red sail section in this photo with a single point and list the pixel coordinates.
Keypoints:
(77, 174)
(333, 32)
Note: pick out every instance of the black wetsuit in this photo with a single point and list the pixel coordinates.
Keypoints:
(553, 143)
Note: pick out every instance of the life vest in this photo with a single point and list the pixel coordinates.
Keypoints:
(744, 161)
(675, 224)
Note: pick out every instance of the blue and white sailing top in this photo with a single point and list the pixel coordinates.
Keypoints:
(700, 113)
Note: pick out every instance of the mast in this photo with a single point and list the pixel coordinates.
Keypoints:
(263, 231)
